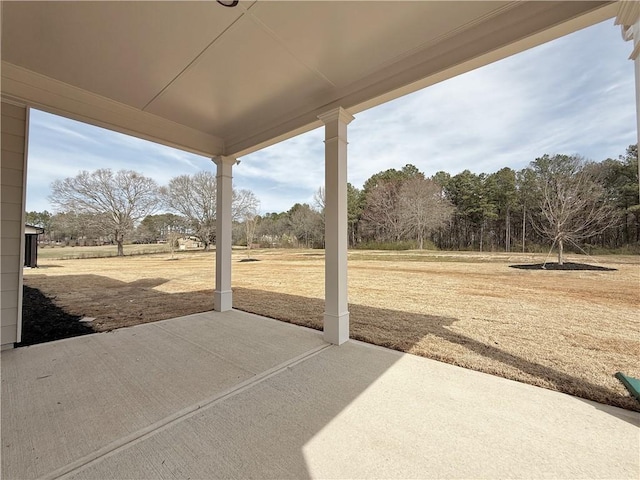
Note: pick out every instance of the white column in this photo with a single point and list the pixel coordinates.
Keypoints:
(629, 20)
(222, 300)
(633, 34)
(635, 56)
(336, 315)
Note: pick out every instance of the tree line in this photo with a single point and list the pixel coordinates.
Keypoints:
(107, 207)
(558, 201)
(562, 200)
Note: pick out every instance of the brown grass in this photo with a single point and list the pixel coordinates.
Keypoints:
(567, 331)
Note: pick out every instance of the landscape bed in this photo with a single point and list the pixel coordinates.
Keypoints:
(569, 331)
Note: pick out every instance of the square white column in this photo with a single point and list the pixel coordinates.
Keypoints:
(336, 315)
(635, 56)
(632, 33)
(628, 18)
(222, 300)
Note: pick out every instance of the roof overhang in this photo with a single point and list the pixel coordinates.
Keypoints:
(229, 81)
(31, 230)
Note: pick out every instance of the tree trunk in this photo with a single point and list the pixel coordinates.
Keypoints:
(627, 236)
(507, 240)
(524, 228)
(481, 234)
(560, 252)
(120, 247)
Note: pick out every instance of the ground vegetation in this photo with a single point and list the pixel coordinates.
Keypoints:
(569, 331)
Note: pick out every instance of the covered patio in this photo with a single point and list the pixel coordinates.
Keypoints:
(235, 395)
(225, 79)
(231, 395)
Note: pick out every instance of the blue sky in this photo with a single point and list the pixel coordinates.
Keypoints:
(575, 95)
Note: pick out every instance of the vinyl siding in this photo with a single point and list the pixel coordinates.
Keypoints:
(13, 126)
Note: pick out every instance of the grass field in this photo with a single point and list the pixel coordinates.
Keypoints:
(565, 330)
(68, 253)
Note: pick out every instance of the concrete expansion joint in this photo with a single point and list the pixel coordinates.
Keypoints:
(167, 422)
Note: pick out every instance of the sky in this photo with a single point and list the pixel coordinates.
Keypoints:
(575, 95)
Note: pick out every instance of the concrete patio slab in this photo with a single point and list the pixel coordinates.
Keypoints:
(312, 411)
(65, 400)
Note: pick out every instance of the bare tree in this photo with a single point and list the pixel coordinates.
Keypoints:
(194, 197)
(72, 226)
(319, 199)
(305, 224)
(173, 237)
(250, 216)
(382, 212)
(117, 201)
(250, 224)
(244, 203)
(422, 208)
(572, 202)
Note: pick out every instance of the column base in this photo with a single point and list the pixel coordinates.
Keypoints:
(336, 328)
(222, 301)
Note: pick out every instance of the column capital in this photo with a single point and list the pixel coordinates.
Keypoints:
(225, 160)
(628, 18)
(339, 114)
(628, 13)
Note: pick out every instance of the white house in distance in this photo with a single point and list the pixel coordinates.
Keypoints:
(223, 79)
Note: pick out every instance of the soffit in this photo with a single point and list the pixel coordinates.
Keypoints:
(125, 51)
(282, 57)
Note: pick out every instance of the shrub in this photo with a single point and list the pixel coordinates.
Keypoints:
(401, 245)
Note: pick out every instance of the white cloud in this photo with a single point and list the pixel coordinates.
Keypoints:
(284, 174)
(572, 96)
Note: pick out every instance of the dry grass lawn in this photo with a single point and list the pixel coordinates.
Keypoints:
(565, 330)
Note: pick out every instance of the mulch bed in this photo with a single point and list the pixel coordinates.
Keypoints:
(564, 266)
(43, 321)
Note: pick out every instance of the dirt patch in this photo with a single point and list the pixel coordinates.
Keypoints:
(568, 266)
(116, 304)
(43, 321)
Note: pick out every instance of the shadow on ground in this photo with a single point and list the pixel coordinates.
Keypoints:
(403, 331)
(117, 304)
(43, 321)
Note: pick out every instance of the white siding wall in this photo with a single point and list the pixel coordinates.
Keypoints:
(12, 171)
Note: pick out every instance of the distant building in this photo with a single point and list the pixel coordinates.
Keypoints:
(31, 245)
(189, 243)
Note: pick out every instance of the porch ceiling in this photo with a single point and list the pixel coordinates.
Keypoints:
(217, 80)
